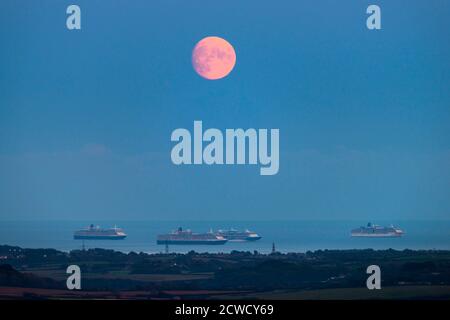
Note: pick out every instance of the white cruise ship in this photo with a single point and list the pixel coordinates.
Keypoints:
(376, 231)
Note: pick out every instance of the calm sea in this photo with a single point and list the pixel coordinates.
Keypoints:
(288, 236)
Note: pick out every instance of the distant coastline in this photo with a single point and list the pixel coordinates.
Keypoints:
(288, 236)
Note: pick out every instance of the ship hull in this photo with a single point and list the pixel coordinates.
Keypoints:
(373, 235)
(192, 242)
(242, 239)
(99, 237)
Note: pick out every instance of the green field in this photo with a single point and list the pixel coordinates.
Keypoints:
(403, 292)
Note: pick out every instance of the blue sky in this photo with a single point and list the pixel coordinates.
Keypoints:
(86, 116)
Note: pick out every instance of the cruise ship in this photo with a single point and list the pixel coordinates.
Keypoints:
(181, 236)
(97, 233)
(237, 236)
(375, 231)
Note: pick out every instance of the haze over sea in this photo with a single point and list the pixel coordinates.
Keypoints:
(288, 236)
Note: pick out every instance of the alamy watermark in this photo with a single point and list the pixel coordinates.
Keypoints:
(236, 146)
(74, 280)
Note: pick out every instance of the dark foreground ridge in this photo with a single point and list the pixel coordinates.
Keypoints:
(323, 274)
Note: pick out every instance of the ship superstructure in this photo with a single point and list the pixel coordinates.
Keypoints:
(186, 237)
(235, 235)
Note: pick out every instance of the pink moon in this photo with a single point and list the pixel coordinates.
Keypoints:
(213, 58)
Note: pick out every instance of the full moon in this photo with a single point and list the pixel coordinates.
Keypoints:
(213, 58)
